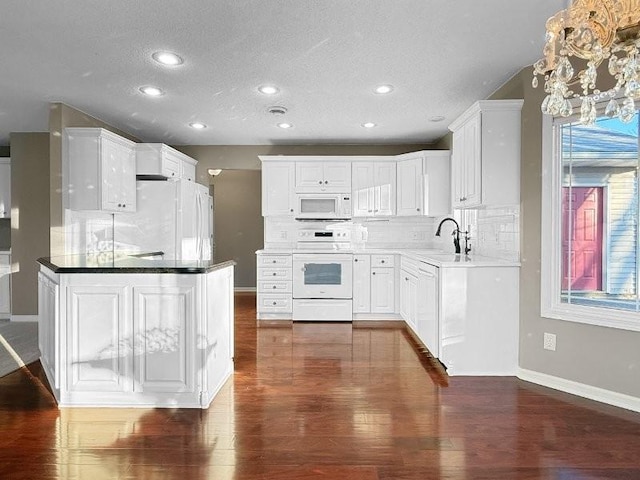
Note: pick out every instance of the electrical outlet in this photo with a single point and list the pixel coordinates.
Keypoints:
(549, 341)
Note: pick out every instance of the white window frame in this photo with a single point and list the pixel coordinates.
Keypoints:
(551, 305)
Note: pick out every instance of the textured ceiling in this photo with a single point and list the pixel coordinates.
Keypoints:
(325, 55)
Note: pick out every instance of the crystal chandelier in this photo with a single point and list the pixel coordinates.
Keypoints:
(592, 30)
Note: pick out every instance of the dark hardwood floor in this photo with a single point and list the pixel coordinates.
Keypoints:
(324, 401)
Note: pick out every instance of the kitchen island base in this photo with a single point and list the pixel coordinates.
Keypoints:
(136, 339)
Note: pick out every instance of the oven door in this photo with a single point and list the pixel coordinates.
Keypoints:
(322, 275)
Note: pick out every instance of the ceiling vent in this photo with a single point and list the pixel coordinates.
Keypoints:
(277, 110)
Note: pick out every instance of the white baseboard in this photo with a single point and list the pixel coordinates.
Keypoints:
(24, 318)
(582, 390)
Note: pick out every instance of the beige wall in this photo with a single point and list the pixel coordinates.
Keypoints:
(238, 226)
(30, 217)
(60, 117)
(602, 357)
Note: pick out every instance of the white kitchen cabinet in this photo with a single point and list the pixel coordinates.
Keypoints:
(408, 297)
(166, 338)
(274, 286)
(5, 187)
(5, 285)
(49, 326)
(382, 290)
(374, 188)
(278, 184)
(374, 284)
(427, 307)
(323, 176)
(152, 340)
(98, 335)
(361, 283)
(99, 171)
(158, 159)
(486, 155)
(423, 183)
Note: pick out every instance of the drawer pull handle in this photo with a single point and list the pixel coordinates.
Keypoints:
(274, 274)
(274, 261)
(373, 273)
(274, 287)
(382, 261)
(275, 303)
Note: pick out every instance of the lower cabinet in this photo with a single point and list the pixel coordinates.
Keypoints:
(374, 284)
(274, 282)
(467, 317)
(136, 339)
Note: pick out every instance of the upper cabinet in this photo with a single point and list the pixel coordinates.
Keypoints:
(158, 159)
(318, 175)
(5, 187)
(423, 183)
(374, 188)
(99, 169)
(278, 181)
(486, 155)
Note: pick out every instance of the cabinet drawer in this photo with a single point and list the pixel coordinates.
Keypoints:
(409, 265)
(382, 261)
(274, 303)
(274, 273)
(274, 261)
(274, 287)
(427, 268)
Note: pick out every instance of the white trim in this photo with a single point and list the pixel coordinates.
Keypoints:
(244, 289)
(374, 317)
(551, 305)
(24, 318)
(580, 389)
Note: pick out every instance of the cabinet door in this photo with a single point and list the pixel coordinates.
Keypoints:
(409, 187)
(382, 290)
(385, 189)
(457, 169)
(408, 298)
(361, 283)
(5, 188)
(48, 326)
(436, 168)
(472, 162)
(277, 188)
(118, 176)
(362, 189)
(309, 177)
(99, 339)
(428, 309)
(164, 339)
(337, 177)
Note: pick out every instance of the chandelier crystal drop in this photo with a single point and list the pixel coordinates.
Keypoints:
(591, 31)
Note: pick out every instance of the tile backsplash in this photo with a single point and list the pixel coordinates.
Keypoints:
(494, 232)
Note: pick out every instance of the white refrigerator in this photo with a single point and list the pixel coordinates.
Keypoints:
(173, 217)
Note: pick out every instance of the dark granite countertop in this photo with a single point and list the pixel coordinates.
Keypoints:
(122, 263)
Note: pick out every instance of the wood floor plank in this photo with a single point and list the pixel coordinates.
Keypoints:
(324, 401)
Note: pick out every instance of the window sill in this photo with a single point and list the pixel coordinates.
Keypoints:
(601, 317)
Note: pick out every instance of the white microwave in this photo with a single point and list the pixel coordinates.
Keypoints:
(323, 206)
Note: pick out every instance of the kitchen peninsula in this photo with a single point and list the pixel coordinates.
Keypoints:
(132, 331)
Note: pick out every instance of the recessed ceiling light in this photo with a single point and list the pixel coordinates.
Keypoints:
(268, 89)
(197, 125)
(151, 91)
(369, 125)
(437, 118)
(285, 125)
(167, 58)
(382, 89)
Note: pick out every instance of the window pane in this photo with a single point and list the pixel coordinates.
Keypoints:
(322, 274)
(600, 214)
